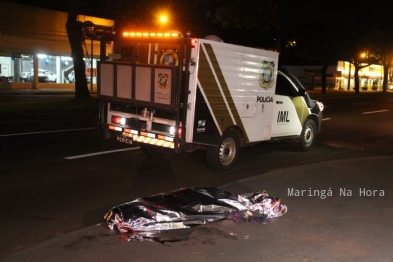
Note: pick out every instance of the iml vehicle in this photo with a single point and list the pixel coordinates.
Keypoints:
(166, 91)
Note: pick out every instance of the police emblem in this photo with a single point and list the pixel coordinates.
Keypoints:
(266, 79)
(163, 81)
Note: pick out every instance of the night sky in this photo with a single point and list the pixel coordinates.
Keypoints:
(320, 24)
(197, 23)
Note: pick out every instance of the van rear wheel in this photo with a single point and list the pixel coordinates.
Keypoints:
(308, 136)
(224, 156)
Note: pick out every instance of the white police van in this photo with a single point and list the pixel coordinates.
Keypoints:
(166, 91)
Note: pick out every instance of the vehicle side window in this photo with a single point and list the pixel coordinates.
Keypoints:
(284, 87)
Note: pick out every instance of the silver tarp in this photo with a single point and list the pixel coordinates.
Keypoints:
(188, 207)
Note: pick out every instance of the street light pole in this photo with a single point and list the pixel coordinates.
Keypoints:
(91, 65)
(349, 76)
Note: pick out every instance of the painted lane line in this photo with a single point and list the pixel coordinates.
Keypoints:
(100, 153)
(374, 112)
(46, 132)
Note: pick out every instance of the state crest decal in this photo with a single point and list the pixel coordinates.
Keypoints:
(163, 81)
(266, 79)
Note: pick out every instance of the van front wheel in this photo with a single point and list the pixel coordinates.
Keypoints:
(308, 136)
(224, 156)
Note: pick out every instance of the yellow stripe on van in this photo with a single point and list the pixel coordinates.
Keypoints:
(301, 108)
(213, 94)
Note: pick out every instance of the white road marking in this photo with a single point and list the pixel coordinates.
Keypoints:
(325, 119)
(101, 153)
(374, 112)
(45, 132)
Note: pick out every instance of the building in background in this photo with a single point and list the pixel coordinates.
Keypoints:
(34, 41)
(370, 77)
(310, 75)
(341, 77)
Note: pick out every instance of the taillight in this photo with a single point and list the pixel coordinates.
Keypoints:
(118, 120)
(173, 130)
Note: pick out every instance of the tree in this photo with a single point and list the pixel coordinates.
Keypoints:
(386, 59)
(315, 41)
(247, 23)
(261, 15)
(358, 27)
(122, 10)
(381, 44)
(353, 56)
(370, 31)
(358, 48)
(313, 23)
(381, 51)
(75, 37)
(321, 28)
(358, 65)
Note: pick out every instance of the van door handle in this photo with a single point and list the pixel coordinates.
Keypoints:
(278, 102)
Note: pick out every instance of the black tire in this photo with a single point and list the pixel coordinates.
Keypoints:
(153, 151)
(224, 156)
(308, 136)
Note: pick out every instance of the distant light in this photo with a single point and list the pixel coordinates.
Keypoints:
(66, 58)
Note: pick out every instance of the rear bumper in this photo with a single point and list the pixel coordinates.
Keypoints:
(130, 136)
(146, 140)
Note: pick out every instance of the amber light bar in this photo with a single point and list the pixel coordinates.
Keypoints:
(115, 128)
(147, 34)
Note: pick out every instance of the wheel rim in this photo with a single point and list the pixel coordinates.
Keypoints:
(227, 151)
(308, 135)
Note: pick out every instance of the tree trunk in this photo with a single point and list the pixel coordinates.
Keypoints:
(349, 77)
(356, 78)
(75, 37)
(385, 77)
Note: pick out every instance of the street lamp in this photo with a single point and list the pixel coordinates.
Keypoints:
(163, 19)
(364, 55)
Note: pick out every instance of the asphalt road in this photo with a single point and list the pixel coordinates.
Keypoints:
(58, 176)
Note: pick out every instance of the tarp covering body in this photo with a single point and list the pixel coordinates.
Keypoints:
(188, 207)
